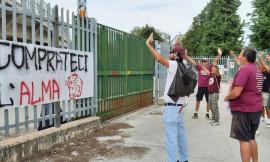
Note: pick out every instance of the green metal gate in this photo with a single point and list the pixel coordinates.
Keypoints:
(125, 72)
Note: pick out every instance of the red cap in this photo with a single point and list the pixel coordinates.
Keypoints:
(179, 50)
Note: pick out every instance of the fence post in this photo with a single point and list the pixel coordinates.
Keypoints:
(26, 112)
(157, 47)
(6, 122)
(4, 31)
(56, 105)
(95, 102)
(17, 120)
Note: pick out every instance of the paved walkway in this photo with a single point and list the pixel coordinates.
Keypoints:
(206, 143)
(139, 137)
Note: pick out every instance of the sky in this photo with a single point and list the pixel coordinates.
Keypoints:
(170, 16)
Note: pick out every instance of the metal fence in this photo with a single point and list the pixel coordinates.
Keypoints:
(160, 71)
(226, 64)
(227, 68)
(35, 22)
(125, 72)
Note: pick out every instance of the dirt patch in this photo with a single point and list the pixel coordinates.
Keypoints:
(87, 148)
(133, 153)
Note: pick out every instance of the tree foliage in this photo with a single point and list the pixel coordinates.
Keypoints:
(146, 30)
(260, 25)
(218, 25)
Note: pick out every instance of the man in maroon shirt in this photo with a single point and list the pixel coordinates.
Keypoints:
(203, 81)
(245, 100)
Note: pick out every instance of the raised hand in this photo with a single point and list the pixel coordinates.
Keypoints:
(260, 55)
(150, 39)
(186, 52)
(219, 51)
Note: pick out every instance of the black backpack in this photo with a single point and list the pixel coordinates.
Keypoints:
(184, 82)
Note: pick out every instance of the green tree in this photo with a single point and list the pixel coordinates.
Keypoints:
(218, 25)
(260, 24)
(146, 30)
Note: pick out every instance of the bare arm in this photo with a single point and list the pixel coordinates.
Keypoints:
(235, 92)
(206, 70)
(260, 65)
(215, 62)
(234, 57)
(157, 56)
(262, 62)
(189, 59)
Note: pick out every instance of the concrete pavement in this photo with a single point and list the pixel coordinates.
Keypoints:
(139, 137)
(206, 143)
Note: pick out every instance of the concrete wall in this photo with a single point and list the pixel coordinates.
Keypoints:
(27, 145)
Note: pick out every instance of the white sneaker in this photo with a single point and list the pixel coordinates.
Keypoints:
(267, 121)
(262, 119)
(211, 122)
(215, 124)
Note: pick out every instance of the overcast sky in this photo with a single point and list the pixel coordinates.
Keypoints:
(170, 16)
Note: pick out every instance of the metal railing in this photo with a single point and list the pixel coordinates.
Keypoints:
(26, 21)
(123, 78)
(125, 72)
(226, 64)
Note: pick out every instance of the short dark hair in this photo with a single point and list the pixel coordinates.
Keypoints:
(250, 54)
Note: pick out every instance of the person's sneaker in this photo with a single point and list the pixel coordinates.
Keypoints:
(267, 121)
(195, 116)
(262, 119)
(207, 116)
(211, 122)
(215, 124)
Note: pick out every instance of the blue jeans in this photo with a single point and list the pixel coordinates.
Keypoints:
(175, 134)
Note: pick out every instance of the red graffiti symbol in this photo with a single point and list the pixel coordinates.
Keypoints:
(74, 84)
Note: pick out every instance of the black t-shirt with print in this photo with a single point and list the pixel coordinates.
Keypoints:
(266, 82)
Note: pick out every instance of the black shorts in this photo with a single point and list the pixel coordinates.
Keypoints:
(244, 125)
(201, 92)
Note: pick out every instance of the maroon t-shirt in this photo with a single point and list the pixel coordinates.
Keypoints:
(250, 100)
(214, 83)
(203, 77)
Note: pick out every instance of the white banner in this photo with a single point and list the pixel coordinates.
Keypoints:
(32, 74)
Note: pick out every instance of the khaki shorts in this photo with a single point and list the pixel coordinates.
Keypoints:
(265, 99)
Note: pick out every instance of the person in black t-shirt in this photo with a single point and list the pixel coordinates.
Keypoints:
(265, 90)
